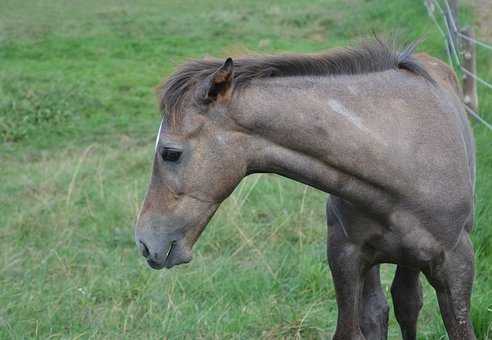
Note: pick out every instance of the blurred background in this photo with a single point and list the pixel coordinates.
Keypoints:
(78, 118)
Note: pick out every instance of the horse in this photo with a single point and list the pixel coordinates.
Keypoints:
(381, 130)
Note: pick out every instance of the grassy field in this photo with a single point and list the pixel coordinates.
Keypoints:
(78, 119)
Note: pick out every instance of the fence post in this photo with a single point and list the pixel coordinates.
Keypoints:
(469, 63)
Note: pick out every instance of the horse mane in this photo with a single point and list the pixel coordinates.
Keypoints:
(369, 57)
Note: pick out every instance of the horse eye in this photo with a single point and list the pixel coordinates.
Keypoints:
(171, 155)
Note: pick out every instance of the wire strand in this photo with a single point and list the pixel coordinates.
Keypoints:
(478, 42)
(451, 46)
(477, 117)
(451, 17)
(457, 31)
(477, 78)
(450, 39)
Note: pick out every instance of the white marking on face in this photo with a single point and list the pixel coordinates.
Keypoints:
(158, 136)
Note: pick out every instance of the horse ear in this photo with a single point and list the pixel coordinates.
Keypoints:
(220, 82)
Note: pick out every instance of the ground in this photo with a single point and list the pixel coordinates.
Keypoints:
(78, 119)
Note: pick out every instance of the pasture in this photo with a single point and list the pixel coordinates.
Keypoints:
(78, 118)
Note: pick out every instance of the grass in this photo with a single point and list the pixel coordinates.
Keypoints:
(77, 124)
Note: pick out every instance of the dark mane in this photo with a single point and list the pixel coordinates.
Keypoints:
(375, 56)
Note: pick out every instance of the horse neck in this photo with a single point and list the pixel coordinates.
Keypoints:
(306, 129)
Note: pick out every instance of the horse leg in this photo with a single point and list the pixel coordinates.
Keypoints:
(374, 308)
(347, 269)
(452, 278)
(407, 300)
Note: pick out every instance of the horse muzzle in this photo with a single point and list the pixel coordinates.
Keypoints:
(163, 252)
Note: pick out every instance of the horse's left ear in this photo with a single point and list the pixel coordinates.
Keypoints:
(219, 87)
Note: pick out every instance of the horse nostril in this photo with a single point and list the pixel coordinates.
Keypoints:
(145, 250)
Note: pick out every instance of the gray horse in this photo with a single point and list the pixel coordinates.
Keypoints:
(384, 132)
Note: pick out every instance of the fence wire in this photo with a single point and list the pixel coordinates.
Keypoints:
(448, 33)
(475, 41)
(457, 31)
(477, 117)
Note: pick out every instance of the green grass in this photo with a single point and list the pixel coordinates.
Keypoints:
(77, 123)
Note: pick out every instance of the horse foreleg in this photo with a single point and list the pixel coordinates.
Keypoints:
(374, 307)
(406, 291)
(347, 270)
(452, 278)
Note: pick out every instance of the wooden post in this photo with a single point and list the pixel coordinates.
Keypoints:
(470, 96)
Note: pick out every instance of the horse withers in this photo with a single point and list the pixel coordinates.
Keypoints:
(383, 131)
